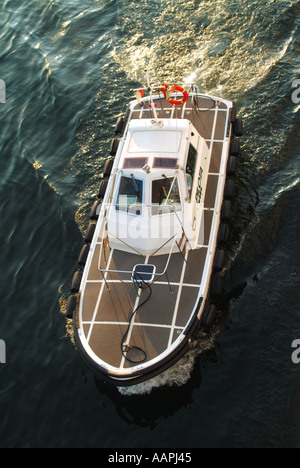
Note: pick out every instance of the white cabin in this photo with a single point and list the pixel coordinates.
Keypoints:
(159, 184)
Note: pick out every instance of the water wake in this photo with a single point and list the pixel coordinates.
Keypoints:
(180, 373)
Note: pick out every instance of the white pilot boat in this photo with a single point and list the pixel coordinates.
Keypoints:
(153, 253)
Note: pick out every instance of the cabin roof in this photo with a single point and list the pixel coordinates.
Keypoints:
(161, 145)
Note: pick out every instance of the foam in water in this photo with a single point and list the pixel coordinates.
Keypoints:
(180, 373)
(193, 51)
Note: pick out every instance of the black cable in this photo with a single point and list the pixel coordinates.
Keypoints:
(126, 348)
(196, 102)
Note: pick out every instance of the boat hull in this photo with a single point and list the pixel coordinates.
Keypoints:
(157, 321)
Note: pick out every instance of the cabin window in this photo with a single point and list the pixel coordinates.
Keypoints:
(191, 161)
(135, 163)
(191, 168)
(130, 196)
(165, 163)
(165, 196)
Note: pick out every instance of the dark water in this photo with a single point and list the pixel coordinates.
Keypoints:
(69, 68)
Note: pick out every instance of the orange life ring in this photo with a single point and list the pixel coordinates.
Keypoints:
(174, 102)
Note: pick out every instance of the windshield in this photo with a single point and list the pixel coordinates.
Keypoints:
(165, 196)
(130, 196)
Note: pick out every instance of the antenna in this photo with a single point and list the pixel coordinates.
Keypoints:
(148, 80)
(150, 94)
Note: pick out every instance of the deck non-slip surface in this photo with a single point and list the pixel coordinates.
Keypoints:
(206, 117)
(108, 304)
(109, 299)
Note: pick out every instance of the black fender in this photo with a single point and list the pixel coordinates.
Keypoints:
(71, 306)
(216, 288)
(83, 255)
(208, 317)
(223, 235)
(114, 147)
(102, 189)
(229, 191)
(238, 127)
(76, 281)
(108, 168)
(119, 129)
(219, 260)
(232, 166)
(235, 147)
(226, 211)
(90, 233)
(95, 211)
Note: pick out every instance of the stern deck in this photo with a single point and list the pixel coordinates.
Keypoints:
(109, 302)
